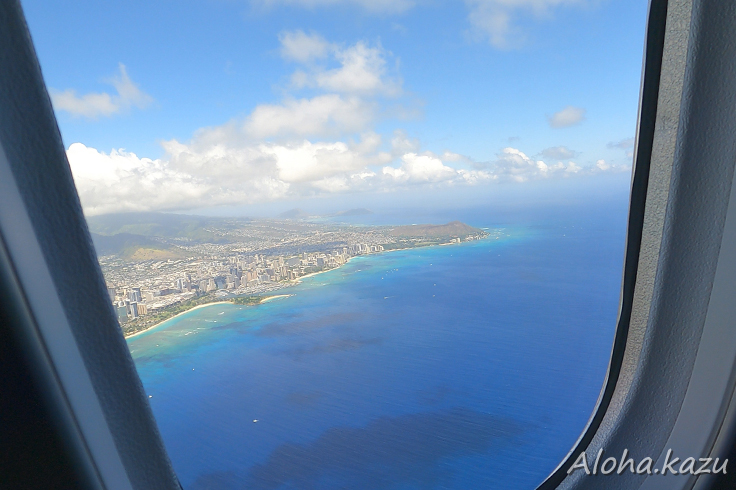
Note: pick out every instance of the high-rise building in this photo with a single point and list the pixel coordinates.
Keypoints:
(122, 312)
(132, 309)
(134, 294)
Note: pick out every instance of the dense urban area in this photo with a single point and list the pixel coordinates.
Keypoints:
(159, 266)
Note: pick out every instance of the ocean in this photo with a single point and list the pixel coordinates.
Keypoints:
(470, 366)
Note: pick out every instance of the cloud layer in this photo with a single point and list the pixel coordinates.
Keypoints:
(95, 105)
(196, 175)
(319, 144)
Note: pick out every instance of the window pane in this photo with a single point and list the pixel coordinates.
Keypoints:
(356, 244)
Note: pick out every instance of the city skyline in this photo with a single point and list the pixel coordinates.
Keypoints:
(178, 266)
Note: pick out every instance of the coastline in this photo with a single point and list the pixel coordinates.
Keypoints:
(312, 274)
(277, 296)
(269, 298)
(264, 300)
(178, 314)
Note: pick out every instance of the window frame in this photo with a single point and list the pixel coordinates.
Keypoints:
(679, 271)
(674, 355)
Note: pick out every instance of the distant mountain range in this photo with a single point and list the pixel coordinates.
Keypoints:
(135, 247)
(295, 213)
(195, 228)
(147, 236)
(162, 236)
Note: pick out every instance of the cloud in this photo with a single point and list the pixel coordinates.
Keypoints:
(496, 19)
(626, 144)
(361, 71)
(420, 168)
(303, 48)
(372, 6)
(120, 181)
(401, 143)
(323, 115)
(569, 116)
(201, 173)
(300, 147)
(205, 173)
(351, 98)
(514, 165)
(95, 105)
(558, 153)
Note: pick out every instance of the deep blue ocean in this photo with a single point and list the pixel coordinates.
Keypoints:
(471, 366)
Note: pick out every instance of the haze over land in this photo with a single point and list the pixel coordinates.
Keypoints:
(157, 264)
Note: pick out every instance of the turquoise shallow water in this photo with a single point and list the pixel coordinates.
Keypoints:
(459, 367)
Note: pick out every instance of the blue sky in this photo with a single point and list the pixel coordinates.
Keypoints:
(199, 104)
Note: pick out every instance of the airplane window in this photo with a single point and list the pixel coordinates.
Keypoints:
(356, 244)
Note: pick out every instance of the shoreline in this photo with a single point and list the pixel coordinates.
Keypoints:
(312, 274)
(269, 298)
(264, 300)
(178, 314)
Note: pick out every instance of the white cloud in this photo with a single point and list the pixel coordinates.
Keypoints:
(120, 181)
(401, 143)
(303, 48)
(94, 105)
(299, 147)
(558, 153)
(569, 116)
(420, 168)
(494, 19)
(349, 104)
(361, 71)
(514, 165)
(372, 6)
(330, 114)
(204, 173)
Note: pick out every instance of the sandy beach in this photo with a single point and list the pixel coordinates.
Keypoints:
(178, 314)
(269, 298)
